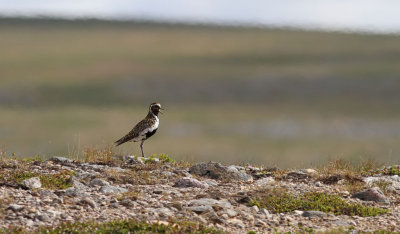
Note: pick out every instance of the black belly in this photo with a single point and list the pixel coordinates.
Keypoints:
(149, 134)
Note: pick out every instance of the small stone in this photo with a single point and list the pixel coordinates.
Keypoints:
(108, 189)
(372, 194)
(231, 213)
(60, 160)
(223, 203)
(190, 182)
(43, 217)
(236, 222)
(318, 184)
(98, 182)
(264, 211)
(255, 209)
(164, 212)
(32, 183)
(89, 201)
(201, 209)
(298, 212)
(127, 203)
(260, 223)
(314, 213)
(309, 171)
(15, 207)
(265, 181)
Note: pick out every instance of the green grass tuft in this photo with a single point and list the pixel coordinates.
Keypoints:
(283, 202)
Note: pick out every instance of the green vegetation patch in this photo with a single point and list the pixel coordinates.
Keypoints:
(129, 226)
(282, 202)
(60, 180)
(392, 170)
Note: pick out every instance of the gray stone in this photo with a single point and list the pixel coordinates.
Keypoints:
(211, 202)
(164, 212)
(314, 213)
(372, 194)
(108, 189)
(43, 217)
(264, 212)
(133, 159)
(47, 193)
(32, 183)
(15, 207)
(127, 203)
(215, 170)
(98, 182)
(190, 182)
(200, 209)
(236, 222)
(265, 181)
(61, 160)
(211, 182)
(231, 213)
(74, 192)
(89, 201)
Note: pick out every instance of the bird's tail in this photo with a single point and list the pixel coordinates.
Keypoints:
(120, 141)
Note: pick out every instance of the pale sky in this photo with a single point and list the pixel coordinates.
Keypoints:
(359, 15)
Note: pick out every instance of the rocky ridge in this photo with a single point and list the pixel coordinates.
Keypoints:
(46, 193)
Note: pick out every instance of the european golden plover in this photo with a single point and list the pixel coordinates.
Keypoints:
(145, 128)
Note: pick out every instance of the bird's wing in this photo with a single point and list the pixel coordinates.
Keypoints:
(135, 132)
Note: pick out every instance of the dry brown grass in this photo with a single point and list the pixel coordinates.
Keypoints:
(98, 155)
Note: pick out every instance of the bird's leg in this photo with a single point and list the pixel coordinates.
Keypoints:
(141, 147)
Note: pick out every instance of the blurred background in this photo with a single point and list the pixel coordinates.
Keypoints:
(279, 83)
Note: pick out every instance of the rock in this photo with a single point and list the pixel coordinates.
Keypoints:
(133, 159)
(200, 209)
(76, 183)
(190, 182)
(264, 212)
(231, 213)
(47, 193)
(127, 203)
(15, 207)
(211, 202)
(32, 183)
(164, 212)
(98, 182)
(314, 213)
(318, 184)
(61, 160)
(309, 171)
(211, 182)
(236, 222)
(297, 175)
(108, 189)
(298, 212)
(43, 217)
(265, 181)
(255, 209)
(215, 170)
(73, 192)
(372, 194)
(89, 201)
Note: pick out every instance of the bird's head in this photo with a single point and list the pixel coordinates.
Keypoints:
(155, 108)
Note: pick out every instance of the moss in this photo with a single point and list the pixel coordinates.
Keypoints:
(166, 158)
(128, 226)
(58, 180)
(283, 202)
(392, 170)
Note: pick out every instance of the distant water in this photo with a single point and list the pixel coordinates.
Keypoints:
(373, 16)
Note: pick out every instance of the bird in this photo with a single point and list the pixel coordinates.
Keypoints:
(145, 128)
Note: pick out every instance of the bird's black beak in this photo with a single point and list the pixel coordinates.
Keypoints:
(161, 110)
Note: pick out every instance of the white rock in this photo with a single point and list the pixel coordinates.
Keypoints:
(32, 183)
